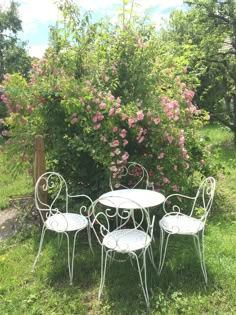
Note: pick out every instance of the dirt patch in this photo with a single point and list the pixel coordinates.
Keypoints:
(21, 211)
(8, 223)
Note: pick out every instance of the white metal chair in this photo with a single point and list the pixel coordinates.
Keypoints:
(55, 214)
(132, 237)
(135, 175)
(193, 223)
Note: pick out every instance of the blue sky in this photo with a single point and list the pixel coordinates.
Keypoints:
(37, 15)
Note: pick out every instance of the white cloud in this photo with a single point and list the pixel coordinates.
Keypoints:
(41, 11)
(37, 50)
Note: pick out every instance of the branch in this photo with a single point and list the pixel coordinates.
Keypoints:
(224, 122)
(11, 37)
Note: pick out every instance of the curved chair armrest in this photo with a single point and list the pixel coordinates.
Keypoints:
(84, 208)
(175, 207)
(80, 196)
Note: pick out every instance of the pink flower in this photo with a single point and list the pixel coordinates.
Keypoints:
(117, 151)
(202, 162)
(149, 114)
(184, 151)
(74, 115)
(175, 188)
(140, 115)
(113, 168)
(115, 129)
(169, 114)
(175, 104)
(88, 108)
(161, 156)
(125, 156)
(96, 100)
(111, 112)
(29, 109)
(114, 144)
(118, 100)
(94, 119)
(165, 180)
(74, 120)
(125, 142)
(181, 141)
(157, 120)
(124, 116)
(102, 105)
(132, 121)
(96, 127)
(140, 140)
(118, 110)
(103, 138)
(123, 133)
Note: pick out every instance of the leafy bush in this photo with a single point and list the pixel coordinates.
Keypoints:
(115, 102)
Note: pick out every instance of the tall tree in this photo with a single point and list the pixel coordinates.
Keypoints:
(206, 36)
(13, 53)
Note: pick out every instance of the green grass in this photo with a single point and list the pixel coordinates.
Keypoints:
(11, 185)
(179, 290)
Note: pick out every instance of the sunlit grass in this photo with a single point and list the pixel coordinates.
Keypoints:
(11, 185)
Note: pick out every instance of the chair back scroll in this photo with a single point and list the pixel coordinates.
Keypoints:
(57, 189)
(133, 175)
(204, 198)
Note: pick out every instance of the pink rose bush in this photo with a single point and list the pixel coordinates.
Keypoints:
(90, 126)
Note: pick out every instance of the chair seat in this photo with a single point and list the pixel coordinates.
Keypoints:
(126, 240)
(65, 222)
(181, 224)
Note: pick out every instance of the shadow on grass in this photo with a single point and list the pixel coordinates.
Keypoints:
(180, 280)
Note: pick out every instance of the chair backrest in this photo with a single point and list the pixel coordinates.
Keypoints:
(204, 198)
(132, 175)
(107, 216)
(56, 187)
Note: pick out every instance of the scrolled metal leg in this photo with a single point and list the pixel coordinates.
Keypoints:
(72, 258)
(59, 239)
(202, 256)
(150, 253)
(40, 247)
(163, 252)
(89, 238)
(103, 272)
(143, 283)
(68, 258)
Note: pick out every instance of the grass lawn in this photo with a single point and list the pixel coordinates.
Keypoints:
(179, 290)
(12, 186)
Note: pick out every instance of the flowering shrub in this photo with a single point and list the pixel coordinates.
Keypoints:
(92, 127)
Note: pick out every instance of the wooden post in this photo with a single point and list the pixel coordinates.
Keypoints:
(39, 165)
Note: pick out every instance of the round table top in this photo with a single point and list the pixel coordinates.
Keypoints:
(131, 198)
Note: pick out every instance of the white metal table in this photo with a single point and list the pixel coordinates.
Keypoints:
(132, 198)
